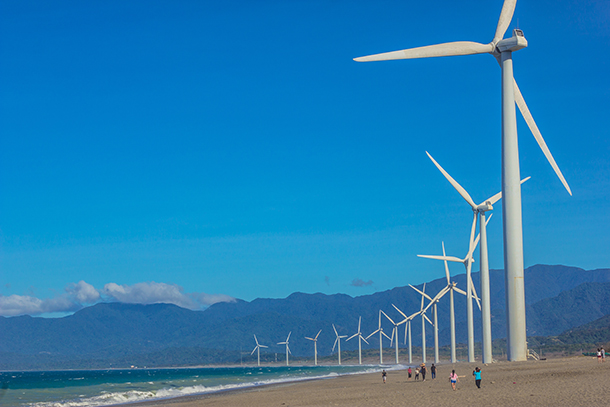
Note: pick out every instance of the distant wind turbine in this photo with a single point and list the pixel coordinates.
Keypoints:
(338, 342)
(315, 346)
(381, 335)
(407, 322)
(394, 337)
(424, 318)
(287, 348)
(360, 337)
(257, 349)
(502, 50)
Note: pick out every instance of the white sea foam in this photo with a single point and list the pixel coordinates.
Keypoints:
(132, 396)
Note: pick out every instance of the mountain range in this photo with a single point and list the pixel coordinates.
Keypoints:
(559, 299)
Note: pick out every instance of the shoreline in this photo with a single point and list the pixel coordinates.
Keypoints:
(573, 381)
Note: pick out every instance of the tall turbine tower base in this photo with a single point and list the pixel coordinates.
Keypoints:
(511, 211)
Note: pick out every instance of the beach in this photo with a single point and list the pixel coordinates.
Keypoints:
(573, 381)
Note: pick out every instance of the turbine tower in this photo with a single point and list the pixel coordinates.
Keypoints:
(257, 349)
(407, 322)
(479, 213)
(360, 337)
(424, 318)
(287, 348)
(394, 337)
(381, 335)
(502, 50)
(315, 347)
(338, 342)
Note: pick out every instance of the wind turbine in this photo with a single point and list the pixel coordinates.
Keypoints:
(257, 349)
(479, 212)
(467, 262)
(433, 302)
(394, 334)
(287, 348)
(381, 335)
(338, 342)
(360, 337)
(407, 322)
(502, 50)
(424, 318)
(315, 347)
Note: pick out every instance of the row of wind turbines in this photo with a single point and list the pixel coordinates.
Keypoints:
(479, 216)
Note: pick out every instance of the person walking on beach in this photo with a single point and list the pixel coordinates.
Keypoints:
(423, 372)
(433, 371)
(477, 377)
(453, 378)
(409, 371)
(383, 375)
(599, 355)
(603, 354)
(416, 373)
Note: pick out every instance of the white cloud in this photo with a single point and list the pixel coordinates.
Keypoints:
(149, 293)
(81, 294)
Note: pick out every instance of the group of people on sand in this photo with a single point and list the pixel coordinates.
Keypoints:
(453, 377)
(601, 355)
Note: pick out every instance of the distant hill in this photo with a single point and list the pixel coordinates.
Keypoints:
(558, 298)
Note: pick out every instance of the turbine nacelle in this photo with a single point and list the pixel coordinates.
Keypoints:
(484, 207)
(514, 43)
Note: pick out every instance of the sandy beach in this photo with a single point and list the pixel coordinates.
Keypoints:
(574, 381)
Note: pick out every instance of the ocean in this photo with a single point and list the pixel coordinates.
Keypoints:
(85, 388)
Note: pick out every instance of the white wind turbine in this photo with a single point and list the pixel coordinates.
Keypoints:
(381, 335)
(338, 342)
(424, 318)
(287, 348)
(257, 349)
(479, 212)
(502, 50)
(433, 302)
(467, 262)
(394, 337)
(315, 346)
(360, 337)
(407, 322)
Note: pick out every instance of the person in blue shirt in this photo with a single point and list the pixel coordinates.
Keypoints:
(477, 377)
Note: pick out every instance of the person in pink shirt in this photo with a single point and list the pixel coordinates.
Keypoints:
(454, 379)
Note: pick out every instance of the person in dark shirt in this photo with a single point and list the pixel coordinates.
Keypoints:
(433, 371)
(422, 370)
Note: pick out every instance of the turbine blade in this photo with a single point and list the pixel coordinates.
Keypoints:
(263, 346)
(359, 321)
(392, 338)
(508, 9)
(353, 336)
(459, 291)
(364, 339)
(421, 293)
(252, 353)
(386, 315)
(402, 313)
(447, 258)
(455, 184)
(538, 136)
(474, 293)
(255, 340)
(289, 351)
(472, 245)
(446, 266)
(311, 339)
(428, 319)
(335, 329)
(439, 50)
(384, 334)
(287, 339)
(372, 334)
(336, 340)
(318, 334)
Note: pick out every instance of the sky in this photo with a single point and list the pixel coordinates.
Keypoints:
(196, 151)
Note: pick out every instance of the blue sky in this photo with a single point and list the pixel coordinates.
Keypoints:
(158, 149)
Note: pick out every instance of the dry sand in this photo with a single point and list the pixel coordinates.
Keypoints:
(575, 381)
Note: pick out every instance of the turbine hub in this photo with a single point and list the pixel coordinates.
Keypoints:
(514, 43)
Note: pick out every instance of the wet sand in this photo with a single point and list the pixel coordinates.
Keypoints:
(575, 381)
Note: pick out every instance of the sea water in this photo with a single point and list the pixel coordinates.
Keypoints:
(84, 388)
